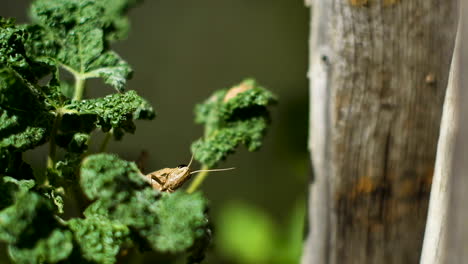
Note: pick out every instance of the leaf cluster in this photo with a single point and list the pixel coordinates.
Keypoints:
(163, 222)
(76, 34)
(37, 107)
(119, 208)
(115, 111)
(28, 225)
(234, 116)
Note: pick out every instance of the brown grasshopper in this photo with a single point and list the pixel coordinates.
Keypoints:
(170, 179)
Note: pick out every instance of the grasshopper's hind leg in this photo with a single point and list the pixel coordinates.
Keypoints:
(158, 178)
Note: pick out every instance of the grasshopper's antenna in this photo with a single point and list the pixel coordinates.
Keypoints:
(191, 159)
(212, 170)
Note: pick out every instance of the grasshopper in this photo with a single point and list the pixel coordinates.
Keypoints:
(170, 179)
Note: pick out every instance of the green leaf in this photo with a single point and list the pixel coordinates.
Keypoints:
(168, 223)
(182, 220)
(118, 23)
(137, 212)
(25, 123)
(29, 226)
(116, 111)
(65, 173)
(67, 89)
(52, 249)
(99, 238)
(111, 68)
(240, 101)
(165, 222)
(232, 117)
(76, 34)
(28, 69)
(224, 141)
(13, 53)
(73, 142)
(11, 188)
(55, 195)
(28, 219)
(247, 234)
(18, 134)
(107, 177)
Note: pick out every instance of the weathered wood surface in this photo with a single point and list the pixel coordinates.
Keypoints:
(378, 77)
(457, 220)
(316, 246)
(434, 251)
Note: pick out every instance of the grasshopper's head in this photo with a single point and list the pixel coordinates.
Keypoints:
(180, 173)
(178, 176)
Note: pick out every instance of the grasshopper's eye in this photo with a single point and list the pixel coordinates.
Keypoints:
(181, 166)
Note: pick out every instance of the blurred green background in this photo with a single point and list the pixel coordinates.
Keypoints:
(181, 51)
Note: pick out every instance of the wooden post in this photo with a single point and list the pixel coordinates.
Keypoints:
(378, 76)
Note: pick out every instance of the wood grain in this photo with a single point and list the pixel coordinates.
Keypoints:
(386, 78)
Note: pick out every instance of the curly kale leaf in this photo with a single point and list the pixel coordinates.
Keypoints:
(65, 172)
(99, 238)
(118, 25)
(25, 123)
(29, 227)
(113, 111)
(182, 220)
(55, 195)
(224, 140)
(29, 69)
(13, 53)
(11, 188)
(76, 33)
(107, 177)
(26, 220)
(52, 249)
(17, 134)
(165, 222)
(232, 117)
(73, 142)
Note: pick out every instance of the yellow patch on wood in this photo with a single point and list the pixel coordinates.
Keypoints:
(364, 186)
(390, 2)
(358, 2)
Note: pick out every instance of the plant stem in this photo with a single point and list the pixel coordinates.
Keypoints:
(79, 88)
(78, 94)
(52, 145)
(202, 175)
(60, 220)
(198, 179)
(105, 141)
